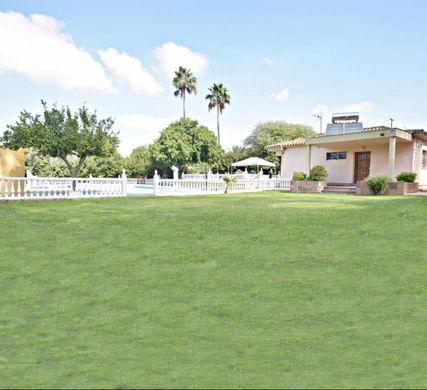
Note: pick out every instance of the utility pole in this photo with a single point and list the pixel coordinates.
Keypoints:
(391, 122)
(320, 118)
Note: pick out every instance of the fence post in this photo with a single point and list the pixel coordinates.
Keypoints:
(124, 183)
(156, 183)
(175, 172)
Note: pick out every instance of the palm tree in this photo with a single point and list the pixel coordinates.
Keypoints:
(184, 82)
(218, 97)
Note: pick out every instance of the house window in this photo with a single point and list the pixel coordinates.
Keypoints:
(424, 166)
(336, 155)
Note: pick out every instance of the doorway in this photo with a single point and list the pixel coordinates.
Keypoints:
(362, 165)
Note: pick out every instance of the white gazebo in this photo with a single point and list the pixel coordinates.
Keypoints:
(253, 162)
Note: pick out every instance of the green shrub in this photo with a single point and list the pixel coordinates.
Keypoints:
(318, 173)
(298, 176)
(378, 184)
(408, 177)
(196, 168)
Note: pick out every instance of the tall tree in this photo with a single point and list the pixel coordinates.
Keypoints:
(60, 133)
(138, 163)
(184, 82)
(184, 143)
(271, 132)
(218, 97)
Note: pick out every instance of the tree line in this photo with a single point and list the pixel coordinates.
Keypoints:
(63, 143)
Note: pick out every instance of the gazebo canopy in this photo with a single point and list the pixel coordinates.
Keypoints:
(253, 162)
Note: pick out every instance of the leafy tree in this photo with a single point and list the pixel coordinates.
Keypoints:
(270, 132)
(184, 82)
(60, 133)
(237, 153)
(218, 97)
(105, 166)
(182, 143)
(138, 163)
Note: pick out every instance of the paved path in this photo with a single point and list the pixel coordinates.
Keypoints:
(419, 193)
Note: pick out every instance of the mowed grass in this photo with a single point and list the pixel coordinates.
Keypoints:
(254, 290)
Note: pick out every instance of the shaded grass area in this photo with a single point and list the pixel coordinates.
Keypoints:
(252, 290)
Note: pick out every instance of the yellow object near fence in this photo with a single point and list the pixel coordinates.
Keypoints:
(11, 164)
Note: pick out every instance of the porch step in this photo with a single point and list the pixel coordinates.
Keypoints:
(339, 190)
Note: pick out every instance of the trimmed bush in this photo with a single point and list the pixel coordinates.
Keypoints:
(318, 173)
(407, 177)
(298, 176)
(378, 184)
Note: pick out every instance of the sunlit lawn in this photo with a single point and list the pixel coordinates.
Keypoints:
(252, 290)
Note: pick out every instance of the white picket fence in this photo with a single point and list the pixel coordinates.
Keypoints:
(164, 187)
(19, 188)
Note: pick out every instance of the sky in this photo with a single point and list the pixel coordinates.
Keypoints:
(280, 60)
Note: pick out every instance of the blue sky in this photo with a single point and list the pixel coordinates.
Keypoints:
(279, 59)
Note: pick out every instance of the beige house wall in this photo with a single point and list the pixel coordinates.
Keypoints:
(342, 171)
(293, 159)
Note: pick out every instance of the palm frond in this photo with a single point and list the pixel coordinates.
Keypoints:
(218, 97)
(184, 81)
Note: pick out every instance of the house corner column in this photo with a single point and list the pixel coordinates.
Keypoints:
(308, 159)
(391, 156)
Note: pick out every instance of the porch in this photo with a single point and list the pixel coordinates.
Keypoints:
(352, 157)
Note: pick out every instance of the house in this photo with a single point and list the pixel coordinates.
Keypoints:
(351, 153)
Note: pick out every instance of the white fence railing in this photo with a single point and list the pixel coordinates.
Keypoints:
(220, 176)
(186, 187)
(21, 188)
(16, 188)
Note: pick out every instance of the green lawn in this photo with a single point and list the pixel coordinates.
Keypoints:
(252, 290)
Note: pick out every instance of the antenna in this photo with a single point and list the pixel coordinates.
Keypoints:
(391, 122)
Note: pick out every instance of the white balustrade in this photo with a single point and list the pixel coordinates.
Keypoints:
(187, 187)
(17, 188)
(220, 176)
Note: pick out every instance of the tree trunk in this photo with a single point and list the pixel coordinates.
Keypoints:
(217, 124)
(74, 172)
(183, 104)
(67, 163)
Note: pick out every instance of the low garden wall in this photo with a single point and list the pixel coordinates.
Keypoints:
(307, 186)
(394, 188)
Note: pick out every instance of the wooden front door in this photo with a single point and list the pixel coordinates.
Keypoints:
(362, 165)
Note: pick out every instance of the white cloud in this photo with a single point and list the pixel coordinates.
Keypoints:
(171, 56)
(269, 61)
(38, 48)
(365, 106)
(131, 71)
(137, 130)
(281, 96)
(320, 109)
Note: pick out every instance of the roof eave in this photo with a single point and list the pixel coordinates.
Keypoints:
(359, 136)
